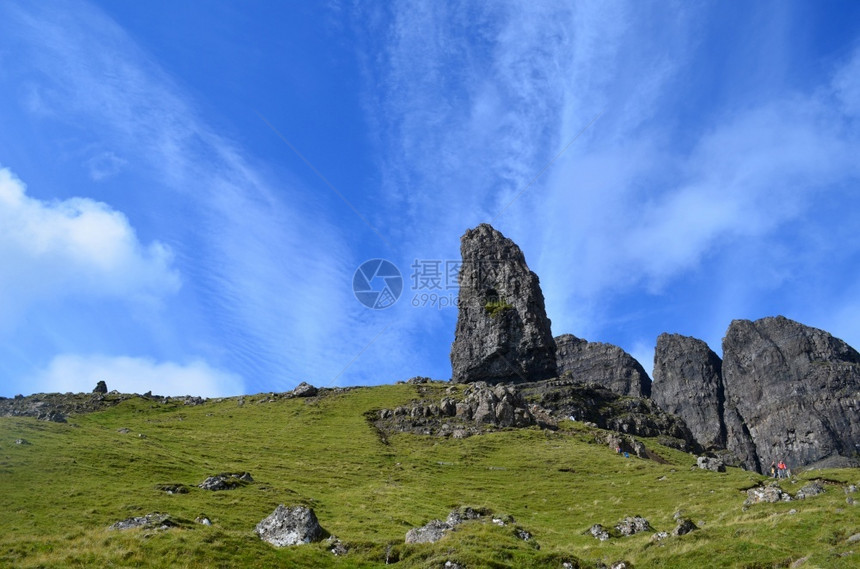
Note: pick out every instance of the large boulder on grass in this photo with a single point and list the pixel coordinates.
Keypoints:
(285, 526)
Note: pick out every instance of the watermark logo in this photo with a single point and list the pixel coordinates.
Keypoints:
(377, 284)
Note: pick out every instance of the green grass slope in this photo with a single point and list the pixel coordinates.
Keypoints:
(60, 493)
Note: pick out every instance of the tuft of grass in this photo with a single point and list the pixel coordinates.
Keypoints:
(496, 307)
(62, 492)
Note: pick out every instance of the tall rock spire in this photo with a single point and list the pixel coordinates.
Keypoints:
(503, 333)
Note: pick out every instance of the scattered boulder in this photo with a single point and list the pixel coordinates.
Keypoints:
(226, 481)
(173, 488)
(688, 382)
(503, 333)
(523, 534)
(708, 463)
(431, 532)
(460, 515)
(149, 521)
(632, 525)
(599, 532)
(602, 364)
(684, 527)
(435, 530)
(22, 442)
(769, 494)
(305, 390)
(101, 387)
(336, 546)
(203, 520)
(814, 488)
(287, 526)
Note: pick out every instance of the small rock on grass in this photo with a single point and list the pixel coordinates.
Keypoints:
(149, 521)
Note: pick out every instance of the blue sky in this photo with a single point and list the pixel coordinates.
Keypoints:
(187, 189)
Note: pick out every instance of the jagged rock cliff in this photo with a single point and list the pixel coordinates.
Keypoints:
(503, 333)
(603, 364)
(688, 383)
(782, 391)
(796, 389)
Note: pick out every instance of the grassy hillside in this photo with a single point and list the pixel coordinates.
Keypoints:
(59, 494)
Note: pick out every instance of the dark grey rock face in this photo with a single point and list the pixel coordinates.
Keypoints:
(290, 526)
(603, 364)
(796, 390)
(101, 387)
(688, 383)
(503, 333)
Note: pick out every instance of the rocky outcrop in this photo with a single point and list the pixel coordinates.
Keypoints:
(290, 526)
(688, 383)
(795, 390)
(603, 364)
(101, 387)
(503, 333)
(480, 407)
(639, 416)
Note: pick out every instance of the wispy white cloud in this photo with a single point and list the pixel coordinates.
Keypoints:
(73, 247)
(77, 373)
(740, 187)
(104, 165)
(259, 254)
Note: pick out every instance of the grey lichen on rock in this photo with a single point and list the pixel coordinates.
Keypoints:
(503, 333)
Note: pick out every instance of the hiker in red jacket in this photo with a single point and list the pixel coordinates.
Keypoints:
(781, 468)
